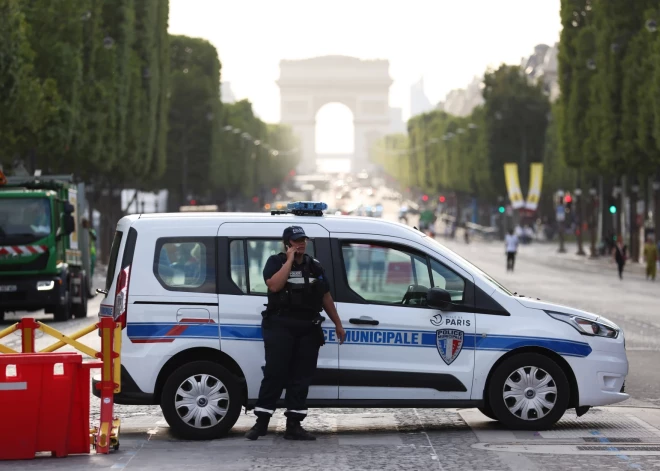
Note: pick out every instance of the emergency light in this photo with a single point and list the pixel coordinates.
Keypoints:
(304, 208)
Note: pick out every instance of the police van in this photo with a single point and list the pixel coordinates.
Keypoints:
(425, 327)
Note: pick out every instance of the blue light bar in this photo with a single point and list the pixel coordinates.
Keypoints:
(307, 206)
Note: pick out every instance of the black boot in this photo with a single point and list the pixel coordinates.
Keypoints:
(259, 429)
(294, 431)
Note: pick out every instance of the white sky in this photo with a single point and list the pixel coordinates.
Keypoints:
(446, 41)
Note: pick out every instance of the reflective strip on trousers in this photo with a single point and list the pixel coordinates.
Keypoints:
(261, 409)
(301, 412)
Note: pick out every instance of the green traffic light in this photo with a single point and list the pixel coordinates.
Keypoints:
(613, 209)
(501, 209)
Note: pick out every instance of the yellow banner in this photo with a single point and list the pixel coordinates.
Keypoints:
(535, 184)
(513, 186)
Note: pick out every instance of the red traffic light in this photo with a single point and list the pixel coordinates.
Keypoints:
(442, 199)
(568, 199)
(193, 202)
(255, 199)
(425, 198)
(273, 191)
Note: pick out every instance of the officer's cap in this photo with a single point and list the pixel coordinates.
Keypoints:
(294, 233)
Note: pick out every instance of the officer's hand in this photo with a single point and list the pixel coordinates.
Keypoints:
(290, 253)
(341, 333)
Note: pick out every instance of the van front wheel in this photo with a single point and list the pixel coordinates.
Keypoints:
(201, 400)
(528, 391)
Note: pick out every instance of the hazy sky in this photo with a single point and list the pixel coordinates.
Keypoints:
(446, 41)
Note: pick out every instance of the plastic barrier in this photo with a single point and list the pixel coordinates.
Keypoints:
(48, 410)
(62, 411)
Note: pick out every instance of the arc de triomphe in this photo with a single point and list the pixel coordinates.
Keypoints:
(362, 85)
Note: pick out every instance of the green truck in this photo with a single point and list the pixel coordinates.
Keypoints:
(44, 251)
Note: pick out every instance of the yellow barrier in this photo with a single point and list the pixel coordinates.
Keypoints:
(74, 336)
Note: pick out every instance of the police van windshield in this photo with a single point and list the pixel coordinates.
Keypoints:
(471, 265)
(24, 220)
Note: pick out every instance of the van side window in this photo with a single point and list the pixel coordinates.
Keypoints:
(448, 280)
(383, 274)
(186, 264)
(247, 258)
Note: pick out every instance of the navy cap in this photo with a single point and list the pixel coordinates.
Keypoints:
(294, 233)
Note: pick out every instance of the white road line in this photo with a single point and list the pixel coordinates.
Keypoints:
(434, 455)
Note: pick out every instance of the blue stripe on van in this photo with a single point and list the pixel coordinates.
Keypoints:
(377, 337)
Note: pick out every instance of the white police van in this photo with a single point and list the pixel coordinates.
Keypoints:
(425, 328)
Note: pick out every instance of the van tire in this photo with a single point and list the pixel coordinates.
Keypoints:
(525, 362)
(192, 372)
(487, 411)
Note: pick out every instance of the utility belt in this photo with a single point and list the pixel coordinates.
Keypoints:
(295, 320)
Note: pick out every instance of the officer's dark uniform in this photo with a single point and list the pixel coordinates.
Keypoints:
(292, 338)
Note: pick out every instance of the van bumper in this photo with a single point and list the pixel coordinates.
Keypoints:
(130, 394)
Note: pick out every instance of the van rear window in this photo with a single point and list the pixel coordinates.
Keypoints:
(114, 252)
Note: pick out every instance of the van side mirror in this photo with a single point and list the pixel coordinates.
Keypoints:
(438, 298)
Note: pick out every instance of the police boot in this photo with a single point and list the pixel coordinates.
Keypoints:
(294, 431)
(259, 429)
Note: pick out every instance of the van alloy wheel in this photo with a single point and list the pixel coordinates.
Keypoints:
(202, 401)
(530, 393)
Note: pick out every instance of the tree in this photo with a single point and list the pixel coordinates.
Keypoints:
(192, 145)
(515, 118)
(21, 104)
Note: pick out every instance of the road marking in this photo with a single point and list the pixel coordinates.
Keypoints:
(434, 456)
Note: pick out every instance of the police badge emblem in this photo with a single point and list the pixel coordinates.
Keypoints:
(449, 343)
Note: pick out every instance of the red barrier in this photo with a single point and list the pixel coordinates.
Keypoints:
(43, 411)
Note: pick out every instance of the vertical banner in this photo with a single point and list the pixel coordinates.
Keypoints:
(73, 237)
(535, 184)
(513, 186)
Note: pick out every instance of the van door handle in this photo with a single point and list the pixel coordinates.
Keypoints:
(363, 321)
(193, 315)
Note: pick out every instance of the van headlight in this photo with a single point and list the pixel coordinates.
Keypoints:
(586, 326)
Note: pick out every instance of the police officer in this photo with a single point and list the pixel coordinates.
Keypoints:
(291, 329)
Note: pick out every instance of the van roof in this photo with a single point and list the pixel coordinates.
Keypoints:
(331, 222)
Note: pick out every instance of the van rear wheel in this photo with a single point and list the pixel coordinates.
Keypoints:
(201, 400)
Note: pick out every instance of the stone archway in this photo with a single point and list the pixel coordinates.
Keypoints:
(362, 85)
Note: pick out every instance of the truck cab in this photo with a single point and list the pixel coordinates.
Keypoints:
(44, 255)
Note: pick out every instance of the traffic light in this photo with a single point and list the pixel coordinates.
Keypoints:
(501, 209)
(193, 202)
(613, 205)
(425, 198)
(442, 199)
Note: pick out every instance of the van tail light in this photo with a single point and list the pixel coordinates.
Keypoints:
(121, 296)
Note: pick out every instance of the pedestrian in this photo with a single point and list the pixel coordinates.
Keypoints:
(511, 242)
(297, 292)
(620, 253)
(92, 246)
(651, 257)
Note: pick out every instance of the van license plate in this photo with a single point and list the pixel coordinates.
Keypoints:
(7, 288)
